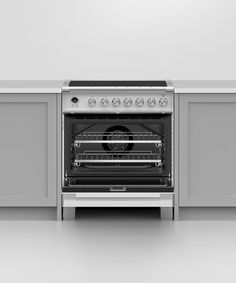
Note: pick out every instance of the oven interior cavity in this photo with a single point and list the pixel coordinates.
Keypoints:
(104, 150)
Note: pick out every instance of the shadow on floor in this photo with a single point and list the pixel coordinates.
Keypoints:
(114, 213)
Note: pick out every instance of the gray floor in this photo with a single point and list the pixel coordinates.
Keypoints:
(111, 245)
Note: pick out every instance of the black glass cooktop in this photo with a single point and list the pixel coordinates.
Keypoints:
(118, 84)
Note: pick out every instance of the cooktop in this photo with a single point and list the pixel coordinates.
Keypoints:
(117, 84)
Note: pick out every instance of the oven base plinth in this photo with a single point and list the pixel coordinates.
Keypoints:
(163, 200)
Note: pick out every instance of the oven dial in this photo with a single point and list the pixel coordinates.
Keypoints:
(139, 101)
(92, 102)
(163, 101)
(104, 102)
(151, 101)
(128, 102)
(116, 101)
(74, 100)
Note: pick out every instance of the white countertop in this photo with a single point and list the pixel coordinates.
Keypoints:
(30, 86)
(181, 86)
(204, 86)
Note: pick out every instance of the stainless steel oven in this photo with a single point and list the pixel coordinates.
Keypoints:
(117, 138)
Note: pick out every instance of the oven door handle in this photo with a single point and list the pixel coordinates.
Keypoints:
(109, 195)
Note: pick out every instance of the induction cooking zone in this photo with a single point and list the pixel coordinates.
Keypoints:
(117, 84)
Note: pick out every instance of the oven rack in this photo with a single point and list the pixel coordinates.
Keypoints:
(111, 137)
(134, 157)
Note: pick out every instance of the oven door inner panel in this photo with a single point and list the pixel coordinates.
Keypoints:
(106, 150)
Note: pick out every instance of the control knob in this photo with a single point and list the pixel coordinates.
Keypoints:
(92, 102)
(104, 102)
(163, 101)
(139, 101)
(151, 101)
(74, 100)
(116, 101)
(128, 102)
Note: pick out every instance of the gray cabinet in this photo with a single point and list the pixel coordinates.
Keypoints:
(207, 149)
(28, 148)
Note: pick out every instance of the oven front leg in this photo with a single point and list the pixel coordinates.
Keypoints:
(68, 213)
(166, 213)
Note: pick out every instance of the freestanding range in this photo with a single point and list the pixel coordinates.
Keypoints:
(117, 144)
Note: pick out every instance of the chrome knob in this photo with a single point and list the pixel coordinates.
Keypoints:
(104, 102)
(151, 101)
(163, 101)
(139, 101)
(92, 101)
(116, 101)
(128, 101)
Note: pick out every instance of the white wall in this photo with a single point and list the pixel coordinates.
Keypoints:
(117, 39)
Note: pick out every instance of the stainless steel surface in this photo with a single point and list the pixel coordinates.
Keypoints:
(158, 161)
(104, 102)
(117, 199)
(136, 157)
(163, 101)
(151, 101)
(117, 99)
(130, 186)
(117, 141)
(126, 195)
(92, 102)
(138, 137)
(139, 101)
(128, 101)
(118, 188)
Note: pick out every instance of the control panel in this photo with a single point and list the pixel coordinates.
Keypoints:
(118, 103)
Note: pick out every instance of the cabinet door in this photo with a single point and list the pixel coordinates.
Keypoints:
(207, 149)
(28, 149)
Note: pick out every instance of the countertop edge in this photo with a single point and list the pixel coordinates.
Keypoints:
(204, 86)
(180, 86)
(204, 90)
(29, 90)
(30, 86)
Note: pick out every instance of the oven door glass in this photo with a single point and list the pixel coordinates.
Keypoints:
(122, 150)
